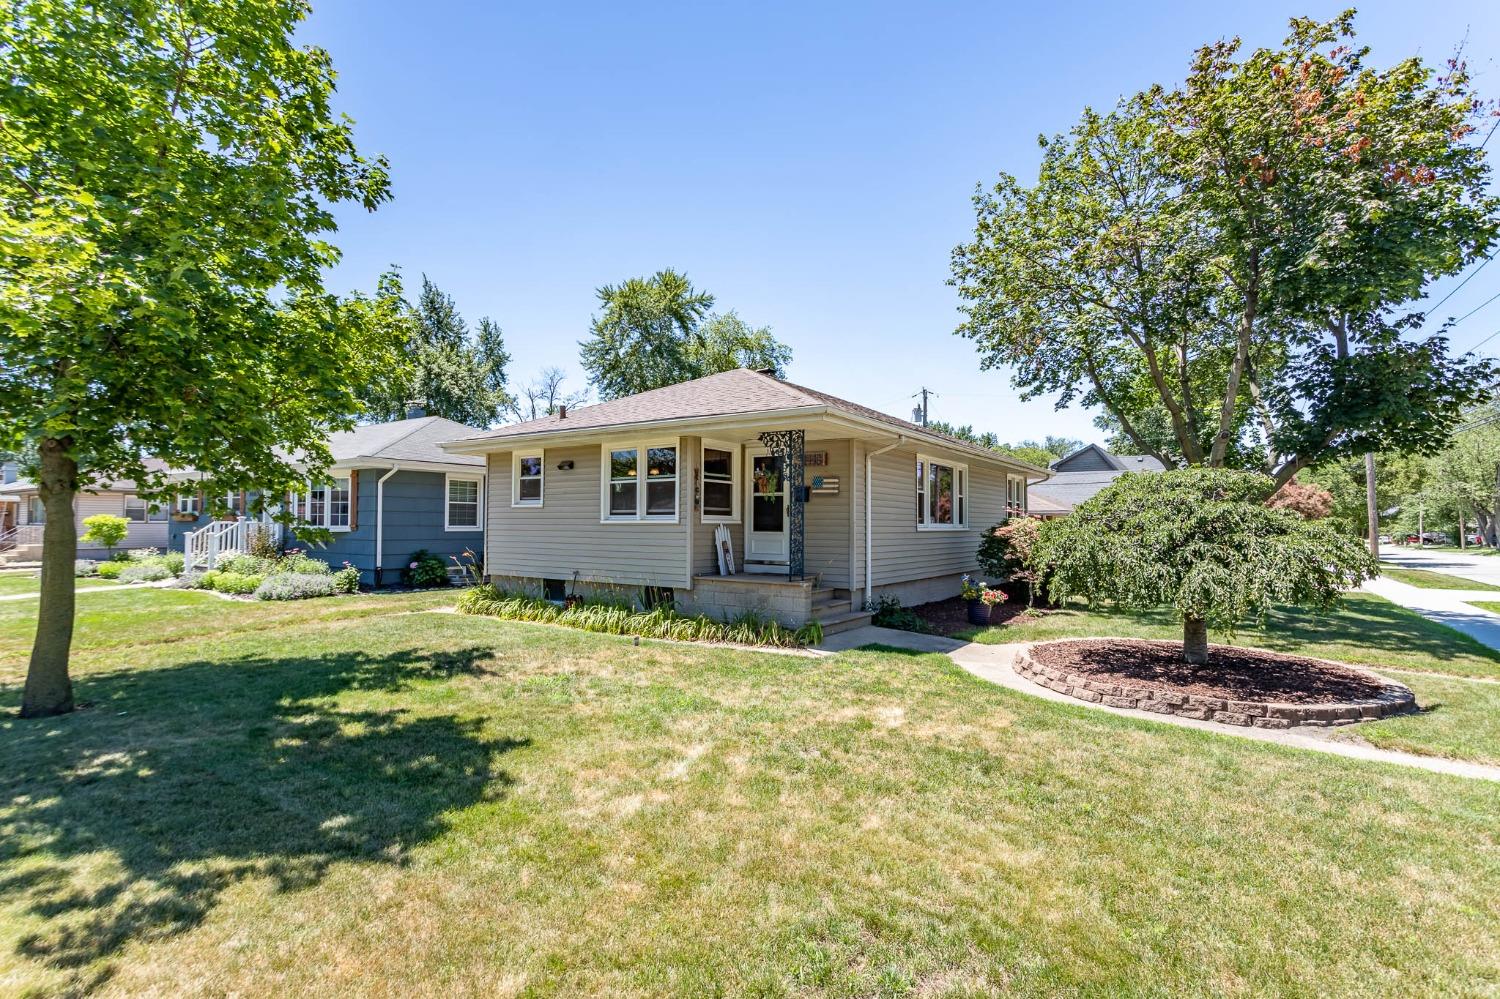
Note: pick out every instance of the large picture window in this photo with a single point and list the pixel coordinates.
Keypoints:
(640, 482)
(721, 498)
(526, 480)
(942, 494)
(463, 508)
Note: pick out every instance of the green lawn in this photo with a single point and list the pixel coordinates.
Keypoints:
(1429, 580)
(12, 583)
(343, 797)
(1460, 719)
(1489, 605)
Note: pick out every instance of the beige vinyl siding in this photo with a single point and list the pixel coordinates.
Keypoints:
(904, 553)
(827, 526)
(137, 535)
(564, 535)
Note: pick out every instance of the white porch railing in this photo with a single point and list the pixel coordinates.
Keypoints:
(203, 548)
(21, 534)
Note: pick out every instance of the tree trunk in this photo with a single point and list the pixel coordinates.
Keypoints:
(48, 690)
(1195, 641)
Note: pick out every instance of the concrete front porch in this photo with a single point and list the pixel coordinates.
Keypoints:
(792, 602)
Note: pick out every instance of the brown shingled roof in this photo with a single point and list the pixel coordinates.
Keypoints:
(728, 393)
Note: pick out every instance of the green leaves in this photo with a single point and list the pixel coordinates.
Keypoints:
(1201, 541)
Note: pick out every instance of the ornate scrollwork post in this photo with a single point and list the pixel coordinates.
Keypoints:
(791, 447)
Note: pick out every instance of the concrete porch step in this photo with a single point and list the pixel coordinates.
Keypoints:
(843, 621)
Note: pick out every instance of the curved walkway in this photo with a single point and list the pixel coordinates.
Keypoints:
(993, 663)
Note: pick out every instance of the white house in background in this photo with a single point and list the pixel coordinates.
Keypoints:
(818, 503)
(147, 526)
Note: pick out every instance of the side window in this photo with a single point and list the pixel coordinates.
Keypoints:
(527, 481)
(720, 495)
(463, 505)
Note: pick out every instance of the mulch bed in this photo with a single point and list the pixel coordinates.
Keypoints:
(946, 617)
(1231, 673)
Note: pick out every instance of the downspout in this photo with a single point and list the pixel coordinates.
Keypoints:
(380, 520)
(870, 515)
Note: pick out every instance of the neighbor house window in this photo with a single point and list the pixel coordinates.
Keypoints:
(721, 500)
(942, 494)
(326, 504)
(188, 504)
(640, 482)
(36, 511)
(1015, 500)
(527, 480)
(135, 509)
(463, 504)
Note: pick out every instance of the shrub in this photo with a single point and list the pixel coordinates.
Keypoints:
(346, 580)
(105, 529)
(1008, 553)
(174, 562)
(611, 618)
(119, 557)
(84, 567)
(145, 572)
(142, 554)
(295, 586)
(262, 545)
(110, 570)
(245, 565)
(236, 582)
(297, 562)
(425, 569)
(888, 613)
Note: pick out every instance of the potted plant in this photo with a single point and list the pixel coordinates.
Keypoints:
(981, 598)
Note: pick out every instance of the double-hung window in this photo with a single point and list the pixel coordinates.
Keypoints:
(135, 509)
(721, 499)
(1015, 500)
(526, 479)
(463, 504)
(942, 494)
(327, 504)
(640, 482)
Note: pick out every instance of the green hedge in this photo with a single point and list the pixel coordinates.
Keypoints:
(618, 619)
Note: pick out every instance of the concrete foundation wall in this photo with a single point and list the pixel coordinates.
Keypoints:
(788, 602)
(921, 591)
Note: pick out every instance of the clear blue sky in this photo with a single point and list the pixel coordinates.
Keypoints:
(809, 164)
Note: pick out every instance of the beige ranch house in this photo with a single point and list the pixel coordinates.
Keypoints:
(819, 506)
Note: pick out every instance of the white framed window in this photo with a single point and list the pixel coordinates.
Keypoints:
(721, 477)
(326, 504)
(36, 510)
(1015, 499)
(135, 509)
(638, 481)
(942, 494)
(462, 511)
(526, 479)
(188, 503)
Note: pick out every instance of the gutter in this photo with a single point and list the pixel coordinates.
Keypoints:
(380, 520)
(870, 516)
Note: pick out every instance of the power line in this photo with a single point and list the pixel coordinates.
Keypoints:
(1476, 308)
(1487, 137)
(1481, 343)
(1460, 284)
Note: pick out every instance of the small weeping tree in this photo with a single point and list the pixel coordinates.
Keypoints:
(1204, 542)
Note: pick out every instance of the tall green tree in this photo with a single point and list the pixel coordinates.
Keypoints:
(1217, 265)
(167, 178)
(659, 331)
(451, 370)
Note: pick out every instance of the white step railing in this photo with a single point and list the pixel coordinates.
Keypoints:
(21, 535)
(203, 548)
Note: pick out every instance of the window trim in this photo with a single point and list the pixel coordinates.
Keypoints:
(640, 446)
(478, 480)
(516, 458)
(1013, 506)
(736, 475)
(302, 503)
(961, 498)
(145, 509)
(187, 503)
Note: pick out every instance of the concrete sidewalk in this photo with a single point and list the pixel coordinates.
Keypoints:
(1454, 608)
(1479, 568)
(994, 664)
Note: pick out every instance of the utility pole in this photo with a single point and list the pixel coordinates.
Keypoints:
(1421, 523)
(1371, 512)
(924, 394)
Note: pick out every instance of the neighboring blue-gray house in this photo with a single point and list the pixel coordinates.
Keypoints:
(1080, 476)
(393, 492)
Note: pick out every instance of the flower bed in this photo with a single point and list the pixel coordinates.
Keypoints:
(1237, 686)
(621, 619)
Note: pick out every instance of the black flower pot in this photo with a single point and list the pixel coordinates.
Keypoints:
(979, 612)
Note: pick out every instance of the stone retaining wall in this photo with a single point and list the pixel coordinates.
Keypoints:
(1394, 699)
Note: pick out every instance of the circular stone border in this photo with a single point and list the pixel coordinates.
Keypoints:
(1394, 698)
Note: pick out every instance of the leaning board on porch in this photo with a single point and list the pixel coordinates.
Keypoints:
(725, 548)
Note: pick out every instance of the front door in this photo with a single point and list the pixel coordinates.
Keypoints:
(766, 533)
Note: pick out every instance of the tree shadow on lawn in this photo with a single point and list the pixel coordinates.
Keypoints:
(127, 820)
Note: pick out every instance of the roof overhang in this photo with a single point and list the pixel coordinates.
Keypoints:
(833, 421)
(349, 464)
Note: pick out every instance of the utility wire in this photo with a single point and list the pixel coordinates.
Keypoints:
(1487, 137)
(1460, 285)
(1476, 308)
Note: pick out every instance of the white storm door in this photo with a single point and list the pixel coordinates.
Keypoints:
(766, 528)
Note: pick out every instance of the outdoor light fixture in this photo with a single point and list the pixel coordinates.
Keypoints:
(565, 466)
